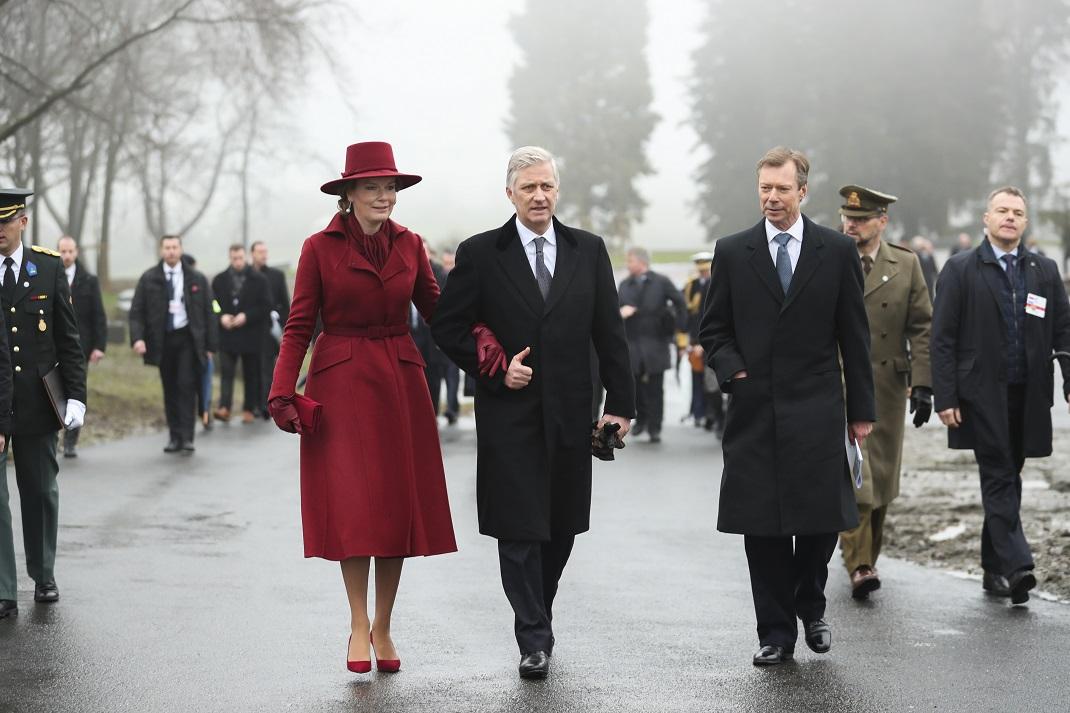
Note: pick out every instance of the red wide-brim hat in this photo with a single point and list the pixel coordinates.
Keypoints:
(369, 159)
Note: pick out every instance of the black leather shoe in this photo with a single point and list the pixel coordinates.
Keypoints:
(772, 655)
(638, 428)
(534, 665)
(173, 446)
(818, 636)
(69, 452)
(8, 607)
(187, 448)
(995, 584)
(655, 437)
(1020, 583)
(46, 592)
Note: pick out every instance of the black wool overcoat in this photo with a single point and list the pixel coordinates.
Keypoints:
(967, 350)
(254, 299)
(89, 309)
(533, 475)
(785, 463)
(148, 313)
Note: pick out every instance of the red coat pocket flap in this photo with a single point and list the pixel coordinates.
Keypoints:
(407, 351)
(329, 352)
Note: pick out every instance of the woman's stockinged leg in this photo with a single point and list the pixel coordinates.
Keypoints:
(355, 576)
(387, 578)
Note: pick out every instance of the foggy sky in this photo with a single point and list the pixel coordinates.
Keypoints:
(431, 78)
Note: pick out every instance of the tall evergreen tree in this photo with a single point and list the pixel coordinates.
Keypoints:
(582, 90)
(924, 100)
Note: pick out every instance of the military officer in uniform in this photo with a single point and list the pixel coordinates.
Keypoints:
(900, 316)
(42, 334)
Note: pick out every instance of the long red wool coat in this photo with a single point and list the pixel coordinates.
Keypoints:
(371, 477)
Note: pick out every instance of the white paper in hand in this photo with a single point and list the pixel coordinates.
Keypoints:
(854, 459)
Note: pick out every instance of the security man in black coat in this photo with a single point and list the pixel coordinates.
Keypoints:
(172, 326)
(42, 336)
(242, 294)
(653, 311)
(1001, 312)
(280, 311)
(92, 322)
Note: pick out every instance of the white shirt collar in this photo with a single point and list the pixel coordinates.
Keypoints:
(1000, 252)
(527, 235)
(70, 270)
(16, 256)
(177, 268)
(795, 231)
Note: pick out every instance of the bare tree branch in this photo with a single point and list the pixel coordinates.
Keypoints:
(79, 81)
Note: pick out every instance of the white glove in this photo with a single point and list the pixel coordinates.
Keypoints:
(75, 414)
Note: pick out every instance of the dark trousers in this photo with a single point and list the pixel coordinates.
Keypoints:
(181, 375)
(1004, 549)
(787, 581)
(268, 356)
(35, 473)
(530, 573)
(650, 400)
(250, 371)
(70, 438)
(437, 373)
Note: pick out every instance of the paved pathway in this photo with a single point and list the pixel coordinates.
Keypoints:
(184, 589)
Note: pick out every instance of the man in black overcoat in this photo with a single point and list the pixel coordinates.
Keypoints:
(42, 339)
(653, 311)
(245, 303)
(785, 304)
(1000, 313)
(92, 322)
(172, 326)
(547, 291)
(280, 311)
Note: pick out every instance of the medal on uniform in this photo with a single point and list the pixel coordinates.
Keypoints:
(41, 326)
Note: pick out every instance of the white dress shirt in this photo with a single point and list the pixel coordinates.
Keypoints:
(794, 245)
(177, 299)
(70, 273)
(549, 248)
(1000, 252)
(17, 267)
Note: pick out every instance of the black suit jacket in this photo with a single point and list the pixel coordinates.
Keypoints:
(969, 371)
(42, 335)
(254, 299)
(785, 464)
(89, 309)
(148, 312)
(279, 292)
(534, 458)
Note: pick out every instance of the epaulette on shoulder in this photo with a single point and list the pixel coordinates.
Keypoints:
(905, 249)
(44, 251)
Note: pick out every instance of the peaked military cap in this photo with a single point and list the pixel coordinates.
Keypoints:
(862, 202)
(12, 200)
(702, 258)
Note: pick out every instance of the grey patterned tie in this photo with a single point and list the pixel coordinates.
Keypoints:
(542, 275)
(783, 261)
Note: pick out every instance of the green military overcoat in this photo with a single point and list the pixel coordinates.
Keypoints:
(900, 315)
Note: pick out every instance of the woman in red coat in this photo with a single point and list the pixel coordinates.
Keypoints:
(372, 483)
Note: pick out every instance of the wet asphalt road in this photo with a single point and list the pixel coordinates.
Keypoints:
(184, 589)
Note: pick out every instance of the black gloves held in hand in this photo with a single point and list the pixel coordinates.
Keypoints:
(605, 440)
(921, 405)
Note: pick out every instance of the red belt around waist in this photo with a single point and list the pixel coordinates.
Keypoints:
(375, 331)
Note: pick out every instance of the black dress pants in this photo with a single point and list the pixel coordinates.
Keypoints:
(180, 374)
(1004, 549)
(787, 581)
(250, 372)
(268, 355)
(530, 573)
(650, 400)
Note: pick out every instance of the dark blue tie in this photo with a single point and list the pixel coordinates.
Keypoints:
(1011, 261)
(170, 300)
(783, 261)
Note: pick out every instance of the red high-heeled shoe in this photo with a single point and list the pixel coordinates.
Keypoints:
(384, 665)
(356, 666)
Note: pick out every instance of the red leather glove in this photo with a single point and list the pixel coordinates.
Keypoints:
(489, 352)
(284, 412)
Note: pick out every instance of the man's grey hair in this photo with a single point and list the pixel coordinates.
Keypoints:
(526, 156)
(1009, 190)
(640, 254)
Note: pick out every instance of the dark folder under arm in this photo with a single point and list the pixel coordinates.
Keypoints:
(56, 395)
